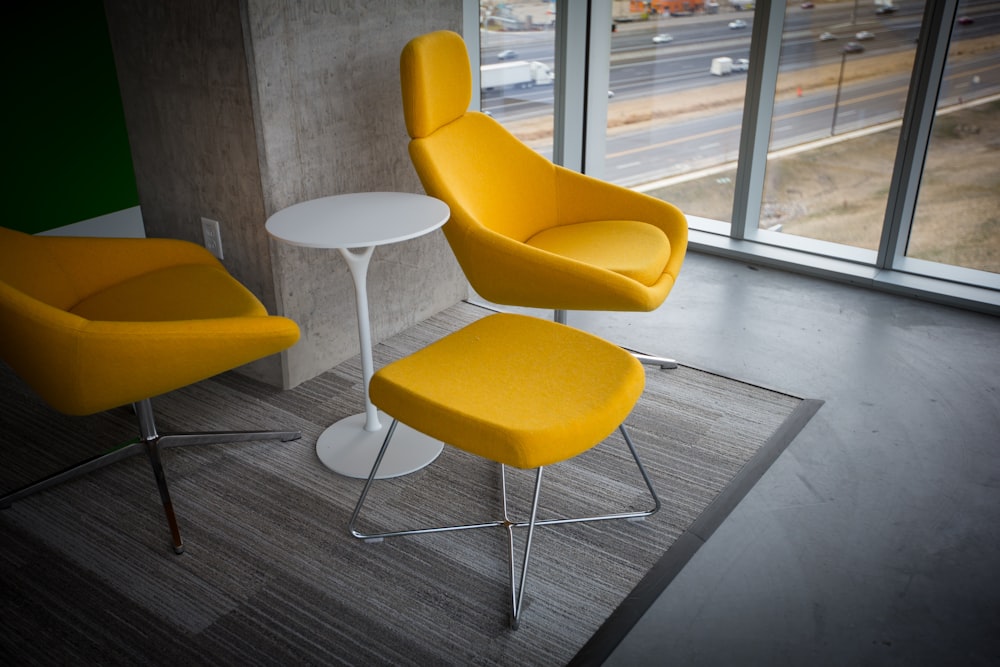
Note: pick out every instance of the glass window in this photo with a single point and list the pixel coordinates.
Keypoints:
(517, 56)
(677, 84)
(827, 171)
(842, 85)
(957, 217)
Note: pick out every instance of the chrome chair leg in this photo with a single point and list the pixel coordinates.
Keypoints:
(153, 453)
(119, 453)
(663, 362)
(517, 588)
(152, 443)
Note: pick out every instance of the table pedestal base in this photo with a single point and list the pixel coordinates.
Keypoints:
(347, 448)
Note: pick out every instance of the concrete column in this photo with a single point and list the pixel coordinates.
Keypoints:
(238, 108)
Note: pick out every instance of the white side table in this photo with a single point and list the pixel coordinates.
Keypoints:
(355, 224)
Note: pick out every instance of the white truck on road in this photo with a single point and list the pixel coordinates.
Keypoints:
(516, 74)
(721, 66)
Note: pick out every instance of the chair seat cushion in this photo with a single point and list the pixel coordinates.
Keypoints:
(518, 390)
(637, 250)
(184, 292)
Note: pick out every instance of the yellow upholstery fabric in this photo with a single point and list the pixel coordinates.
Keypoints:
(502, 194)
(165, 295)
(634, 249)
(452, 79)
(93, 323)
(515, 389)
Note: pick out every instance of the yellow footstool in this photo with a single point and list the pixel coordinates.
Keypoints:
(520, 391)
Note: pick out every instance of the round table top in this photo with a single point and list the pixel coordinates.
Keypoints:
(358, 220)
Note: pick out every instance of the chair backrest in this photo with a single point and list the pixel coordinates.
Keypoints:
(490, 179)
(36, 329)
(27, 264)
(503, 195)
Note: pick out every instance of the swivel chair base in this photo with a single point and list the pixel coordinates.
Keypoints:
(663, 362)
(152, 443)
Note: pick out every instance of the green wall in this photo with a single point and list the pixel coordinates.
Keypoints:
(66, 155)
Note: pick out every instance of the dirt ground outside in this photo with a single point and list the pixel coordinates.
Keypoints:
(839, 192)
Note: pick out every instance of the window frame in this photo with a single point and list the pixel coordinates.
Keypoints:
(582, 52)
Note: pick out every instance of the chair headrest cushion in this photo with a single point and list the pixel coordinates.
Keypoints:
(436, 81)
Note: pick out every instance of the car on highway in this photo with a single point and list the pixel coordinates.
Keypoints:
(741, 65)
(807, 5)
(737, 24)
(863, 35)
(662, 38)
(965, 20)
(827, 36)
(853, 47)
(507, 54)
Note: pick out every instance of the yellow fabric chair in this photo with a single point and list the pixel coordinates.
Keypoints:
(95, 323)
(511, 389)
(527, 232)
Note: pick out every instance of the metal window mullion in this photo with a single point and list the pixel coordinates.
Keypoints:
(758, 109)
(914, 137)
(570, 86)
(470, 33)
(599, 77)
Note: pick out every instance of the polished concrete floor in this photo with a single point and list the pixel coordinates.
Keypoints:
(874, 539)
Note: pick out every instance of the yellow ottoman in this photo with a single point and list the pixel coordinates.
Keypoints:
(520, 391)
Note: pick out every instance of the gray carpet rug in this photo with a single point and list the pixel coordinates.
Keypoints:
(271, 576)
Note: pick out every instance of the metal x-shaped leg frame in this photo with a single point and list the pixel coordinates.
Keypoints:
(517, 584)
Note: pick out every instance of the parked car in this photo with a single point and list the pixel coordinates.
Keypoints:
(737, 24)
(662, 38)
(853, 47)
(863, 35)
(827, 36)
(508, 54)
(741, 65)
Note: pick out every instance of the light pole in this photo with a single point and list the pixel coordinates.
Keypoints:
(836, 100)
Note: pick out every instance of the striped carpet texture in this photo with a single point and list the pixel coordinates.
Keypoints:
(271, 576)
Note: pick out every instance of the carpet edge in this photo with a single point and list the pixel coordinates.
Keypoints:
(618, 624)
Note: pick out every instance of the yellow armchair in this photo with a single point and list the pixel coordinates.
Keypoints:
(95, 323)
(525, 231)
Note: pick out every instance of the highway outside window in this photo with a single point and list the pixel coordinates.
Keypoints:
(517, 68)
(678, 78)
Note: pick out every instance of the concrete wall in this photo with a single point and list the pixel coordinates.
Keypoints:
(238, 108)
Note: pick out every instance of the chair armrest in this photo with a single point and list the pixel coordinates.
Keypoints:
(583, 198)
(507, 271)
(81, 367)
(123, 362)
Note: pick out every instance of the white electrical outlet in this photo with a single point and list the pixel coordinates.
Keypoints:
(213, 237)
